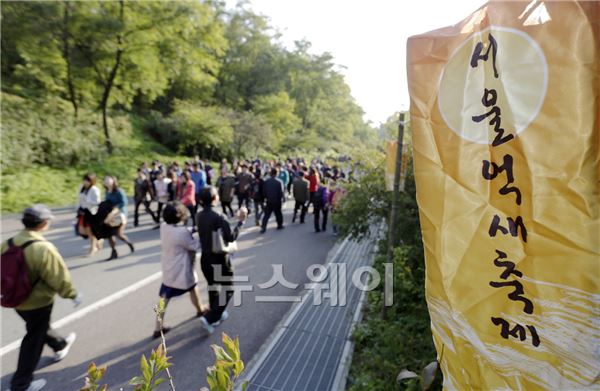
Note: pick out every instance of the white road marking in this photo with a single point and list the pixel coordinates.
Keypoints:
(89, 309)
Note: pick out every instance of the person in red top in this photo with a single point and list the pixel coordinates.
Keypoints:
(186, 193)
(313, 186)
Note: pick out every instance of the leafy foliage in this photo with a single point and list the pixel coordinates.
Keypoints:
(367, 200)
(401, 339)
(221, 376)
(221, 80)
(57, 185)
(43, 131)
(150, 370)
(93, 379)
(228, 365)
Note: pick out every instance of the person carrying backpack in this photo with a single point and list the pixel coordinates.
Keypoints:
(33, 272)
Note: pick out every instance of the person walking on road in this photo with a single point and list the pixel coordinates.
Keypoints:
(198, 176)
(216, 267)
(226, 186)
(283, 175)
(186, 193)
(320, 207)
(49, 276)
(313, 179)
(111, 218)
(274, 196)
(143, 194)
(89, 199)
(258, 196)
(301, 196)
(173, 184)
(177, 259)
(293, 174)
(244, 181)
(161, 188)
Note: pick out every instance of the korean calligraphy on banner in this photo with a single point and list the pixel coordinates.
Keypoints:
(505, 113)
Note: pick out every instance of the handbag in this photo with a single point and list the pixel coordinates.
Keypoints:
(219, 246)
(114, 218)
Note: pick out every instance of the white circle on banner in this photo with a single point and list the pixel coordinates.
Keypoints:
(517, 86)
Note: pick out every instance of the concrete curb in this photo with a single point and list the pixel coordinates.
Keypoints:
(343, 370)
(280, 328)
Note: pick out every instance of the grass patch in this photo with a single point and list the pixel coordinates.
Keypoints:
(58, 186)
(385, 346)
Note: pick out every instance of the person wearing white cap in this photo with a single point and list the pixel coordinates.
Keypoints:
(49, 276)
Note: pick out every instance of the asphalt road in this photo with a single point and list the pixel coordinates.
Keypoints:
(117, 333)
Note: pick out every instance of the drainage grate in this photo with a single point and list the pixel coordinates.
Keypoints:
(307, 352)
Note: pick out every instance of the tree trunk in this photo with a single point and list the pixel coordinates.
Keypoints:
(109, 146)
(67, 57)
(110, 82)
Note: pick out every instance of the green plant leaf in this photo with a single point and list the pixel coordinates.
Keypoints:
(221, 353)
(136, 381)
(406, 374)
(230, 347)
(144, 367)
(428, 374)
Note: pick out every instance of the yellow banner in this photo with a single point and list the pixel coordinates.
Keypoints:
(504, 111)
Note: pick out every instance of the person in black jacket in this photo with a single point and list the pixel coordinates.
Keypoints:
(216, 268)
(143, 193)
(274, 195)
(257, 196)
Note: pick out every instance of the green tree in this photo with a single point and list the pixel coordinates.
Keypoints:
(251, 66)
(389, 129)
(37, 51)
(192, 52)
(278, 112)
(252, 134)
(329, 114)
(202, 129)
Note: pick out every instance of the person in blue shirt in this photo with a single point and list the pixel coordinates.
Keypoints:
(117, 221)
(283, 175)
(199, 179)
(320, 206)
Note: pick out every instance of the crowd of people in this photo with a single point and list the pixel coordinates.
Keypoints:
(186, 201)
(261, 186)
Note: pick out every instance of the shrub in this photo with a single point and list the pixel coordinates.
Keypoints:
(45, 132)
(401, 339)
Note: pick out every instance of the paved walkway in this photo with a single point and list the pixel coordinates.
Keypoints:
(311, 349)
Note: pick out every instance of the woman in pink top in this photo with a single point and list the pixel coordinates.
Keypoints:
(186, 193)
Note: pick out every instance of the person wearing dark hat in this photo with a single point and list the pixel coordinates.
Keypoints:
(49, 276)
